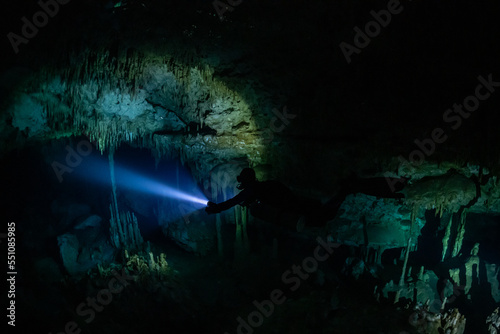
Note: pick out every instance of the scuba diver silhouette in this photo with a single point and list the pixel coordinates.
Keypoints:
(272, 201)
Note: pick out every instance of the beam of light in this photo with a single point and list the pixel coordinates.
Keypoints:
(98, 170)
(141, 183)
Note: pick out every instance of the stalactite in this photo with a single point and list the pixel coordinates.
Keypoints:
(244, 220)
(177, 175)
(218, 223)
(441, 210)
(446, 238)
(113, 189)
(460, 234)
(238, 240)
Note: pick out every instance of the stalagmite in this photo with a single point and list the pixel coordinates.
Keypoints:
(125, 231)
(137, 233)
(114, 229)
(443, 304)
(469, 267)
(492, 278)
(132, 240)
(124, 228)
(408, 247)
(455, 275)
(152, 264)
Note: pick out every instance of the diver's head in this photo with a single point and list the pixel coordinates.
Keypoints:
(246, 178)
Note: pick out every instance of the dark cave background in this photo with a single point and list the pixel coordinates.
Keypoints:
(353, 117)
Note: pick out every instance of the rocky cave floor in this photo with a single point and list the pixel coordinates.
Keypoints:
(206, 294)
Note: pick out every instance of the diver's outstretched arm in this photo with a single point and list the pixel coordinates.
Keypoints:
(217, 208)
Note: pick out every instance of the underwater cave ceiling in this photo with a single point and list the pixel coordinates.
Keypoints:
(269, 86)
